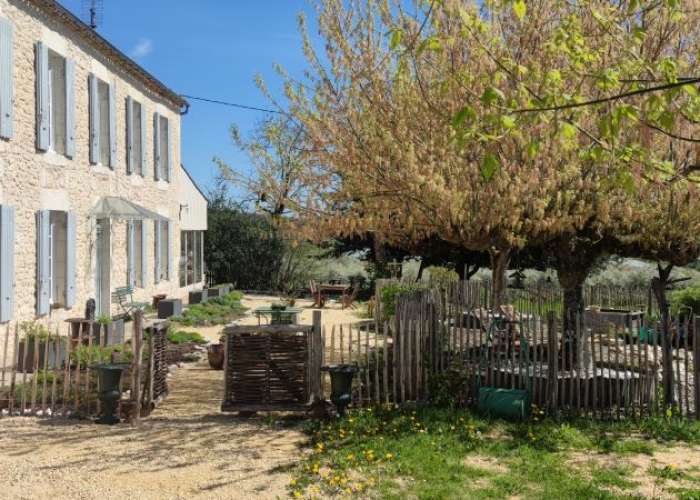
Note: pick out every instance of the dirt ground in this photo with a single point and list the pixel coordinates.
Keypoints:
(331, 315)
(186, 449)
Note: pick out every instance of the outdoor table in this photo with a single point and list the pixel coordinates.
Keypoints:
(288, 315)
(341, 289)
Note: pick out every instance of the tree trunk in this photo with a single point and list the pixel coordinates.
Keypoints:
(659, 285)
(499, 266)
(572, 279)
(421, 268)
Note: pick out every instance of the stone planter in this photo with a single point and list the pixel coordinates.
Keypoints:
(169, 307)
(54, 361)
(197, 297)
(219, 290)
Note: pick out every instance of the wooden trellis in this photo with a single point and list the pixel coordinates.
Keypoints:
(272, 367)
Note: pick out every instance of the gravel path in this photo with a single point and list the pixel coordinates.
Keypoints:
(186, 449)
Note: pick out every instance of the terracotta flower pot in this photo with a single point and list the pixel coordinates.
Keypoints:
(215, 353)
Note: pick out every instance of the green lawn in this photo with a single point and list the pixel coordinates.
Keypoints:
(440, 453)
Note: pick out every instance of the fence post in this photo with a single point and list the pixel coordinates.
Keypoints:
(136, 366)
(553, 366)
(316, 358)
(695, 321)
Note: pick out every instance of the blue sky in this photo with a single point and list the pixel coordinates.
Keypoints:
(212, 49)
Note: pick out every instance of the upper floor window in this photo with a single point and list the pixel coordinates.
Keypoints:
(103, 137)
(135, 137)
(55, 102)
(162, 149)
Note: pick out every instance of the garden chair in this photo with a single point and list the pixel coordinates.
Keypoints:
(316, 294)
(348, 300)
(124, 296)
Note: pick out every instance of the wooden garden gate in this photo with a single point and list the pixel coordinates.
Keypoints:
(272, 367)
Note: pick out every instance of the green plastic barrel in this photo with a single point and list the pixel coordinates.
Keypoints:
(510, 404)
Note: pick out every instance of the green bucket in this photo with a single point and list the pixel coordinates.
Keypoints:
(647, 335)
(510, 404)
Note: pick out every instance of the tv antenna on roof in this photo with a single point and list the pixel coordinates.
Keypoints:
(92, 12)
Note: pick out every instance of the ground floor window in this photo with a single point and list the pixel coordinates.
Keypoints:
(191, 254)
(162, 250)
(134, 252)
(57, 257)
(55, 260)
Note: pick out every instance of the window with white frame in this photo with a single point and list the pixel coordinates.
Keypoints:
(190, 263)
(57, 102)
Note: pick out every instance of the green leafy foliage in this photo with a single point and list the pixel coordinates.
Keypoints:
(32, 329)
(183, 337)
(686, 299)
(390, 293)
(218, 311)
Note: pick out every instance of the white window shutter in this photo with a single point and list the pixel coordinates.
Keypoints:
(112, 126)
(70, 108)
(144, 149)
(7, 263)
(94, 120)
(130, 167)
(70, 259)
(42, 262)
(6, 78)
(168, 250)
(170, 152)
(144, 254)
(156, 262)
(156, 146)
(42, 96)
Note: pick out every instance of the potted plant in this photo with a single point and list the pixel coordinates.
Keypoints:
(36, 335)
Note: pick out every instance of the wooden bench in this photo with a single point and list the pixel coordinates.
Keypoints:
(124, 296)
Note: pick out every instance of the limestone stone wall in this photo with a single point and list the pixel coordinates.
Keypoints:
(32, 180)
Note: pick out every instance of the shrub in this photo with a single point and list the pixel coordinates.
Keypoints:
(216, 311)
(390, 293)
(441, 277)
(684, 299)
(183, 337)
(32, 329)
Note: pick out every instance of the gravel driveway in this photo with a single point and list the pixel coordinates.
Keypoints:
(186, 449)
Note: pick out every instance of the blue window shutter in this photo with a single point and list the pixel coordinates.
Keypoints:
(42, 96)
(7, 263)
(94, 120)
(170, 152)
(144, 254)
(131, 260)
(144, 149)
(6, 78)
(112, 126)
(70, 259)
(130, 167)
(42, 262)
(156, 146)
(70, 108)
(156, 261)
(168, 250)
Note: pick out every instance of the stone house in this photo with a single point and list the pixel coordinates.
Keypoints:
(92, 192)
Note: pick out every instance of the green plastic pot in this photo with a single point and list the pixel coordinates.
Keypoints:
(510, 404)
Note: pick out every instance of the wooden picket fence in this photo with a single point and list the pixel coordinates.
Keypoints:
(608, 363)
(50, 374)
